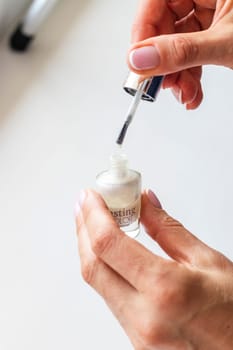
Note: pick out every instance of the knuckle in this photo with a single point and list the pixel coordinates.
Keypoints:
(177, 293)
(170, 289)
(218, 260)
(168, 221)
(149, 334)
(148, 338)
(169, 295)
(184, 51)
(88, 269)
(103, 241)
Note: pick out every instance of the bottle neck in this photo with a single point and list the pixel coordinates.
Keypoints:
(118, 165)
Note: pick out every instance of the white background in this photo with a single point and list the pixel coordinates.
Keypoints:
(61, 107)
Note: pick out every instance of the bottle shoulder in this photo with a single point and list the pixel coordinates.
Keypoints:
(106, 177)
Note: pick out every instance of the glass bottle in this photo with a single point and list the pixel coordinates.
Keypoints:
(121, 189)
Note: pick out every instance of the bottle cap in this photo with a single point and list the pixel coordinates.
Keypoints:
(151, 89)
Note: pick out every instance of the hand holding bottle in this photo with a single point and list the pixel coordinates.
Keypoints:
(183, 303)
(176, 37)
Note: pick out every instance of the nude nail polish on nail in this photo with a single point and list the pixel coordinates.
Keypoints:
(77, 209)
(153, 199)
(81, 198)
(178, 94)
(146, 57)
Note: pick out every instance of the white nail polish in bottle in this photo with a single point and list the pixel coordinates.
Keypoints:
(121, 189)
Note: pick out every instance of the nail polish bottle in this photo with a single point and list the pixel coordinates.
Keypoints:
(120, 187)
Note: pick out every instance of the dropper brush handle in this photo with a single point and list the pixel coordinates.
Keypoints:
(131, 112)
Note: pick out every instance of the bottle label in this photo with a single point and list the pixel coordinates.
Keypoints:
(126, 216)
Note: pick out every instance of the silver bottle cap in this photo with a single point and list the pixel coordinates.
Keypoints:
(151, 88)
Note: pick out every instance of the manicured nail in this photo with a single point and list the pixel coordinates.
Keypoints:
(153, 199)
(146, 57)
(81, 198)
(178, 94)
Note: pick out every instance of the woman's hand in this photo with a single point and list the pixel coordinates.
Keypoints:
(176, 37)
(181, 303)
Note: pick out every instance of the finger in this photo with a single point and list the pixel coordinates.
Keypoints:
(209, 4)
(181, 7)
(197, 101)
(173, 238)
(124, 255)
(196, 72)
(186, 87)
(171, 79)
(116, 291)
(188, 24)
(167, 54)
(153, 18)
(204, 16)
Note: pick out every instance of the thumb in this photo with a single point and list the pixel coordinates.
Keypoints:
(172, 237)
(167, 54)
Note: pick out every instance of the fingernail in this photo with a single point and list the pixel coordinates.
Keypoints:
(79, 203)
(178, 94)
(146, 57)
(153, 199)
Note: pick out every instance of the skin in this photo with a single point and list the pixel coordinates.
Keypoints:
(187, 34)
(181, 303)
(184, 302)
